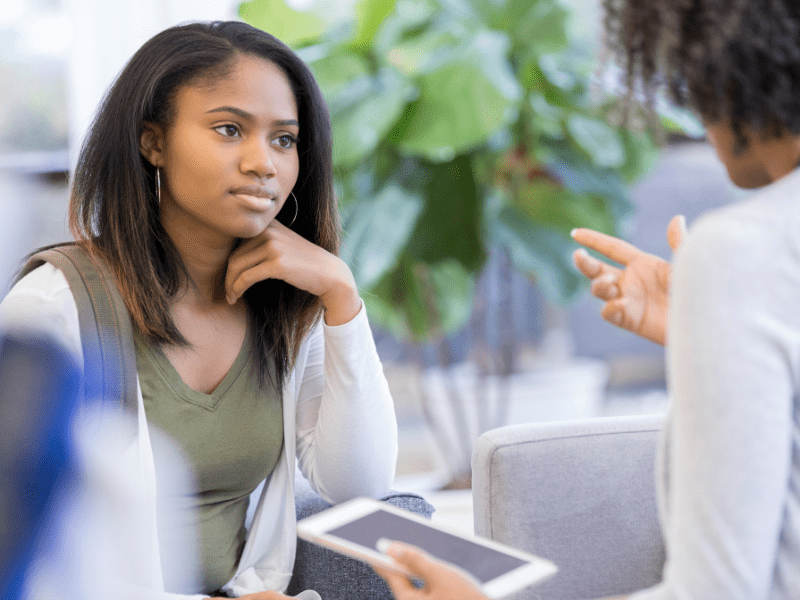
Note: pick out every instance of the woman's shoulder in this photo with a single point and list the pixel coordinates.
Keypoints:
(761, 230)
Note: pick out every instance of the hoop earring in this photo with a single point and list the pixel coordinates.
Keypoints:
(296, 208)
(158, 185)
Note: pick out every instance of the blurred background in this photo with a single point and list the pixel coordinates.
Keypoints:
(470, 137)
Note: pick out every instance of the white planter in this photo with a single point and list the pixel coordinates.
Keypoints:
(552, 391)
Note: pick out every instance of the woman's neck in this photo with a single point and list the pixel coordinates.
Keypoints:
(206, 263)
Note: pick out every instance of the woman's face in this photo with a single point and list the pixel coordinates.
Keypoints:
(745, 167)
(229, 157)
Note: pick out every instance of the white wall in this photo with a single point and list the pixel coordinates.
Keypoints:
(106, 33)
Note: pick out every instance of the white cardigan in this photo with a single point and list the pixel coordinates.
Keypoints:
(339, 422)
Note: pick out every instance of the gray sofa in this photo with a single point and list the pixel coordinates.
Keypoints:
(333, 575)
(580, 493)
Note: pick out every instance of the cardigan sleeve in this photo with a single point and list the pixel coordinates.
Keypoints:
(346, 426)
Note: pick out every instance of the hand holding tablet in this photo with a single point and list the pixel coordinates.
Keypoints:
(435, 579)
(362, 527)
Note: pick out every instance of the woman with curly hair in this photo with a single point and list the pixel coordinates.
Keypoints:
(729, 470)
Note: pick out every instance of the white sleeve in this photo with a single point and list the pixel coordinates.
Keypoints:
(346, 426)
(733, 340)
(42, 303)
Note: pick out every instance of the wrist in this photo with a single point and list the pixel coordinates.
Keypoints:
(341, 302)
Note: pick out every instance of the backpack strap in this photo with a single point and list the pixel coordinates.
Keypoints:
(105, 325)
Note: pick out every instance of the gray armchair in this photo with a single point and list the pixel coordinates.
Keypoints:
(334, 576)
(580, 493)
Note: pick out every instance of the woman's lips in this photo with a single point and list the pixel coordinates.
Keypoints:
(256, 197)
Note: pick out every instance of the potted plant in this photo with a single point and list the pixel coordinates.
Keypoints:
(462, 126)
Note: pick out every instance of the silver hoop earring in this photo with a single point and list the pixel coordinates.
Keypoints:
(158, 185)
(296, 208)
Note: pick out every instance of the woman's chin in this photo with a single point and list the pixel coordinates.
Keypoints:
(253, 228)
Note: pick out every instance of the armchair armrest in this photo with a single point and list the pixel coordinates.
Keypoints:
(580, 493)
(333, 575)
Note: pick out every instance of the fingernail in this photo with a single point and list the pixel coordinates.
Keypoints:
(230, 299)
(573, 232)
(383, 545)
(613, 292)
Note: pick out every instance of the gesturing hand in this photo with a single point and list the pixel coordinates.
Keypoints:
(442, 582)
(636, 296)
(280, 253)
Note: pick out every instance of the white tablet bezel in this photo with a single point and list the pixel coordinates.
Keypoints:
(315, 529)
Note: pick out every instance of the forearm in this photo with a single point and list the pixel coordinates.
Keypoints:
(349, 443)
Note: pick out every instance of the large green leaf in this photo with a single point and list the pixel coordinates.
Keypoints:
(640, 154)
(291, 26)
(548, 119)
(541, 25)
(408, 17)
(462, 103)
(540, 251)
(600, 141)
(336, 72)
(562, 209)
(579, 175)
(450, 225)
(359, 128)
(454, 288)
(416, 55)
(679, 120)
(417, 301)
(376, 230)
(369, 16)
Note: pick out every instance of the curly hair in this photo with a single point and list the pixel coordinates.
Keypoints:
(731, 60)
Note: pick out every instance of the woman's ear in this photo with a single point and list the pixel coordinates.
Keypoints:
(151, 143)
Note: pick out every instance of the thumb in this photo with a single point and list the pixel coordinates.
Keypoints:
(676, 231)
(412, 558)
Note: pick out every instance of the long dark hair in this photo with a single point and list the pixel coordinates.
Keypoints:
(114, 210)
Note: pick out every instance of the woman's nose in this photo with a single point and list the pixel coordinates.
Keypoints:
(257, 159)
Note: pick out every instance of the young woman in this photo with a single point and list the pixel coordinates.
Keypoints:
(729, 484)
(205, 184)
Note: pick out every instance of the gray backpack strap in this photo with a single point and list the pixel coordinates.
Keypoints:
(105, 325)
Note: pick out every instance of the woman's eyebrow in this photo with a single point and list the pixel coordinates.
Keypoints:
(246, 115)
(232, 109)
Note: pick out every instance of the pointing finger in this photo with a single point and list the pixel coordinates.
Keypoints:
(609, 246)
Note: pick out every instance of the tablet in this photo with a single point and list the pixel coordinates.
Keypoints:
(360, 528)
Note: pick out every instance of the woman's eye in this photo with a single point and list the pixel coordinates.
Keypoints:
(227, 130)
(286, 141)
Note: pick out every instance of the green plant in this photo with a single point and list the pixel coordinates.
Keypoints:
(461, 125)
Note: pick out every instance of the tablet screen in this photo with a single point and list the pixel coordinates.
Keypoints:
(483, 563)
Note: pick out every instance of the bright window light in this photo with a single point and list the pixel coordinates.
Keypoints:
(49, 35)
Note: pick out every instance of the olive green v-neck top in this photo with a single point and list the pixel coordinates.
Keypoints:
(231, 440)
